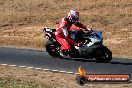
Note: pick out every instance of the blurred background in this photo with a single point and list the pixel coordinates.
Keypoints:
(21, 21)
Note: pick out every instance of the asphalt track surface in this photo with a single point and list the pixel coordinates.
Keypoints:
(41, 59)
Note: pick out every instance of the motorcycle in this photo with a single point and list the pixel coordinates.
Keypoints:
(92, 48)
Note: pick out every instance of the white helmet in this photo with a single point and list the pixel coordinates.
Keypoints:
(73, 16)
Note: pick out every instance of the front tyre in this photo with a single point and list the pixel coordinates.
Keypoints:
(103, 55)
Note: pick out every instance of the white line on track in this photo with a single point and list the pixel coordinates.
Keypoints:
(22, 66)
(3, 64)
(30, 67)
(62, 71)
(46, 69)
(70, 72)
(55, 70)
(38, 68)
(12, 65)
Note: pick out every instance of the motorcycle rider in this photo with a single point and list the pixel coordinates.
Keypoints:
(62, 32)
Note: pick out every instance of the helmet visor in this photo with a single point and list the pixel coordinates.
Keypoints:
(74, 19)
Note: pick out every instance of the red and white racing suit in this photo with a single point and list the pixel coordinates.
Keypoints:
(62, 33)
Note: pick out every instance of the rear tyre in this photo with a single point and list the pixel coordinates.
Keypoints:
(51, 49)
(103, 55)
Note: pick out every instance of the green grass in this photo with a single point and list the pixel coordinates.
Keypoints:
(8, 82)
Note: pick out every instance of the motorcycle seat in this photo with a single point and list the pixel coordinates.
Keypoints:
(53, 30)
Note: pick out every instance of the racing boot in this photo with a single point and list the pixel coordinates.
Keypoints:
(63, 53)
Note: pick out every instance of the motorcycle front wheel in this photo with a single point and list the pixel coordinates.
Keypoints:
(103, 55)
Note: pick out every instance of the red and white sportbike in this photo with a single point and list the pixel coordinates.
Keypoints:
(92, 48)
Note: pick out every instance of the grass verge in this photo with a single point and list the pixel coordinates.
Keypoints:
(9, 82)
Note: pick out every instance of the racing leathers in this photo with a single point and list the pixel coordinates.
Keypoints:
(62, 33)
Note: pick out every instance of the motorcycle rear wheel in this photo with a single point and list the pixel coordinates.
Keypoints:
(51, 49)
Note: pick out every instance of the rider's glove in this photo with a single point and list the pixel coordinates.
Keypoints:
(89, 29)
